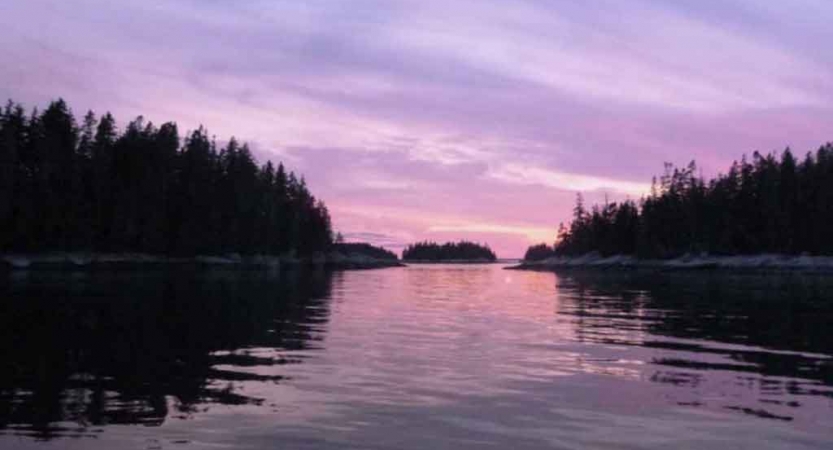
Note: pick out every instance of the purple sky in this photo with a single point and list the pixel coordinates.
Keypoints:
(447, 119)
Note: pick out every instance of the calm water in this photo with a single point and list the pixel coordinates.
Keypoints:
(413, 358)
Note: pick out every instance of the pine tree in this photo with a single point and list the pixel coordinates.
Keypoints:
(766, 205)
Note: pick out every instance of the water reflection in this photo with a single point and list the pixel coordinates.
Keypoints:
(755, 344)
(98, 349)
(458, 356)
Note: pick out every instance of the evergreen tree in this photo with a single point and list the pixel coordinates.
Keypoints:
(65, 187)
(771, 204)
(102, 171)
(463, 250)
(59, 182)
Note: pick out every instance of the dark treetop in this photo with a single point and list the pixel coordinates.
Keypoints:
(463, 250)
(771, 204)
(66, 186)
(365, 249)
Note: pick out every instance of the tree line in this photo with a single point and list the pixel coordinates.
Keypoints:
(70, 186)
(770, 204)
(365, 249)
(432, 251)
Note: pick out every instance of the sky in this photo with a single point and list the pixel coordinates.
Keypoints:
(452, 119)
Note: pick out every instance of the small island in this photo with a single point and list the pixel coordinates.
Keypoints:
(450, 252)
(361, 255)
(771, 212)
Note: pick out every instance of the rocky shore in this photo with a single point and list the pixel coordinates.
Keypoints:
(762, 262)
(91, 261)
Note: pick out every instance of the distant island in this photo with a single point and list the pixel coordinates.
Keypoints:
(85, 193)
(462, 251)
(364, 254)
(773, 207)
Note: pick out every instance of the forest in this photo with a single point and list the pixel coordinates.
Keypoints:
(463, 250)
(773, 203)
(67, 185)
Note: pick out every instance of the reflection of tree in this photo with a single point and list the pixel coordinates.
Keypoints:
(772, 324)
(122, 349)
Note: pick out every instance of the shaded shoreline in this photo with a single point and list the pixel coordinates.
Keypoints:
(95, 261)
(451, 261)
(744, 263)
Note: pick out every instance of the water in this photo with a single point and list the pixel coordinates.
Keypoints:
(442, 357)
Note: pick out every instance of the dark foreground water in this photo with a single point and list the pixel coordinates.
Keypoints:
(424, 357)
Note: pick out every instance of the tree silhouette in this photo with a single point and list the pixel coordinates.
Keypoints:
(772, 203)
(463, 250)
(87, 187)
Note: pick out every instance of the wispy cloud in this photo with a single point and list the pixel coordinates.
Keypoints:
(655, 57)
(388, 241)
(531, 233)
(523, 174)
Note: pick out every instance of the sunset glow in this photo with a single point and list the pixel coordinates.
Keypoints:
(433, 120)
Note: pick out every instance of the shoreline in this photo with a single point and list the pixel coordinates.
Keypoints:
(104, 261)
(450, 261)
(743, 263)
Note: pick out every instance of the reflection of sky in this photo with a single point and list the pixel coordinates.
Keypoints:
(464, 356)
(445, 336)
(442, 120)
(467, 355)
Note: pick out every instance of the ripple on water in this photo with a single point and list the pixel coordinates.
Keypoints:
(454, 356)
